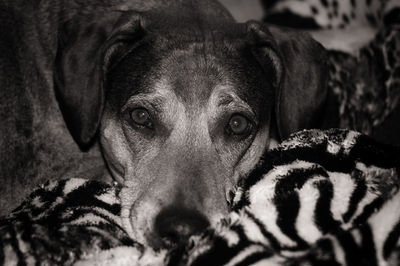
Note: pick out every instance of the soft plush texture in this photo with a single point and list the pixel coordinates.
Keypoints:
(329, 14)
(363, 43)
(321, 197)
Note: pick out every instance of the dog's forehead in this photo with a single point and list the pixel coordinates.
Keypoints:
(191, 66)
(193, 73)
(196, 71)
(196, 59)
(191, 69)
(220, 94)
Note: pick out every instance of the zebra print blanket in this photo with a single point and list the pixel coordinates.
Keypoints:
(320, 198)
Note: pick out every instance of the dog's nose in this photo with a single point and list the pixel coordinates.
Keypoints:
(176, 224)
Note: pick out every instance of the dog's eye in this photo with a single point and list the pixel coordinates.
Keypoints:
(238, 125)
(141, 117)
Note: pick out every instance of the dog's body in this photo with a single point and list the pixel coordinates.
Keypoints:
(181, 96)
(34, 141)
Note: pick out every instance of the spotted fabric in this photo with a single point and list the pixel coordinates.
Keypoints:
(329, 14)
(366, 84)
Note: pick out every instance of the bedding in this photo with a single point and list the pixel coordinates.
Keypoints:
(364, 65)
(320, 198)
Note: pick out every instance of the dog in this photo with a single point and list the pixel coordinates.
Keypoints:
(176, 97)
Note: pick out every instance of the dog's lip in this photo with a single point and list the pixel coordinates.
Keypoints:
(117, 172)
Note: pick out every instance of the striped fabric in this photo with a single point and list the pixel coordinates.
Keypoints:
(320, 198)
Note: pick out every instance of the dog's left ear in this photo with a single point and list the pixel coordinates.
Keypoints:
(296, 65)
(88, 46)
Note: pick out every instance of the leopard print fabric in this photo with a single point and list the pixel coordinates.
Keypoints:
(366, 83)
(329, 14)
(367, 86)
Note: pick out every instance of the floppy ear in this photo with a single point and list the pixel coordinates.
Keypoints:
(88, 46)
(297, 65)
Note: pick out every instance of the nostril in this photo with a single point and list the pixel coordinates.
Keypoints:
(175, 224)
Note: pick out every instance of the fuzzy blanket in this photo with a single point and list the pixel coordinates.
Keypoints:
(320, 198)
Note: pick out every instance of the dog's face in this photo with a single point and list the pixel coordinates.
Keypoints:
(186, 111)
(198, 117)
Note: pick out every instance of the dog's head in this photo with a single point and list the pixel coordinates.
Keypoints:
(183, 108)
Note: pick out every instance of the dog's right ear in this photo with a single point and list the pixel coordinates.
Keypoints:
(88, 46)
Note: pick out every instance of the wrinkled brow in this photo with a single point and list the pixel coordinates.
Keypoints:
(226, 98)
(155, 100)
